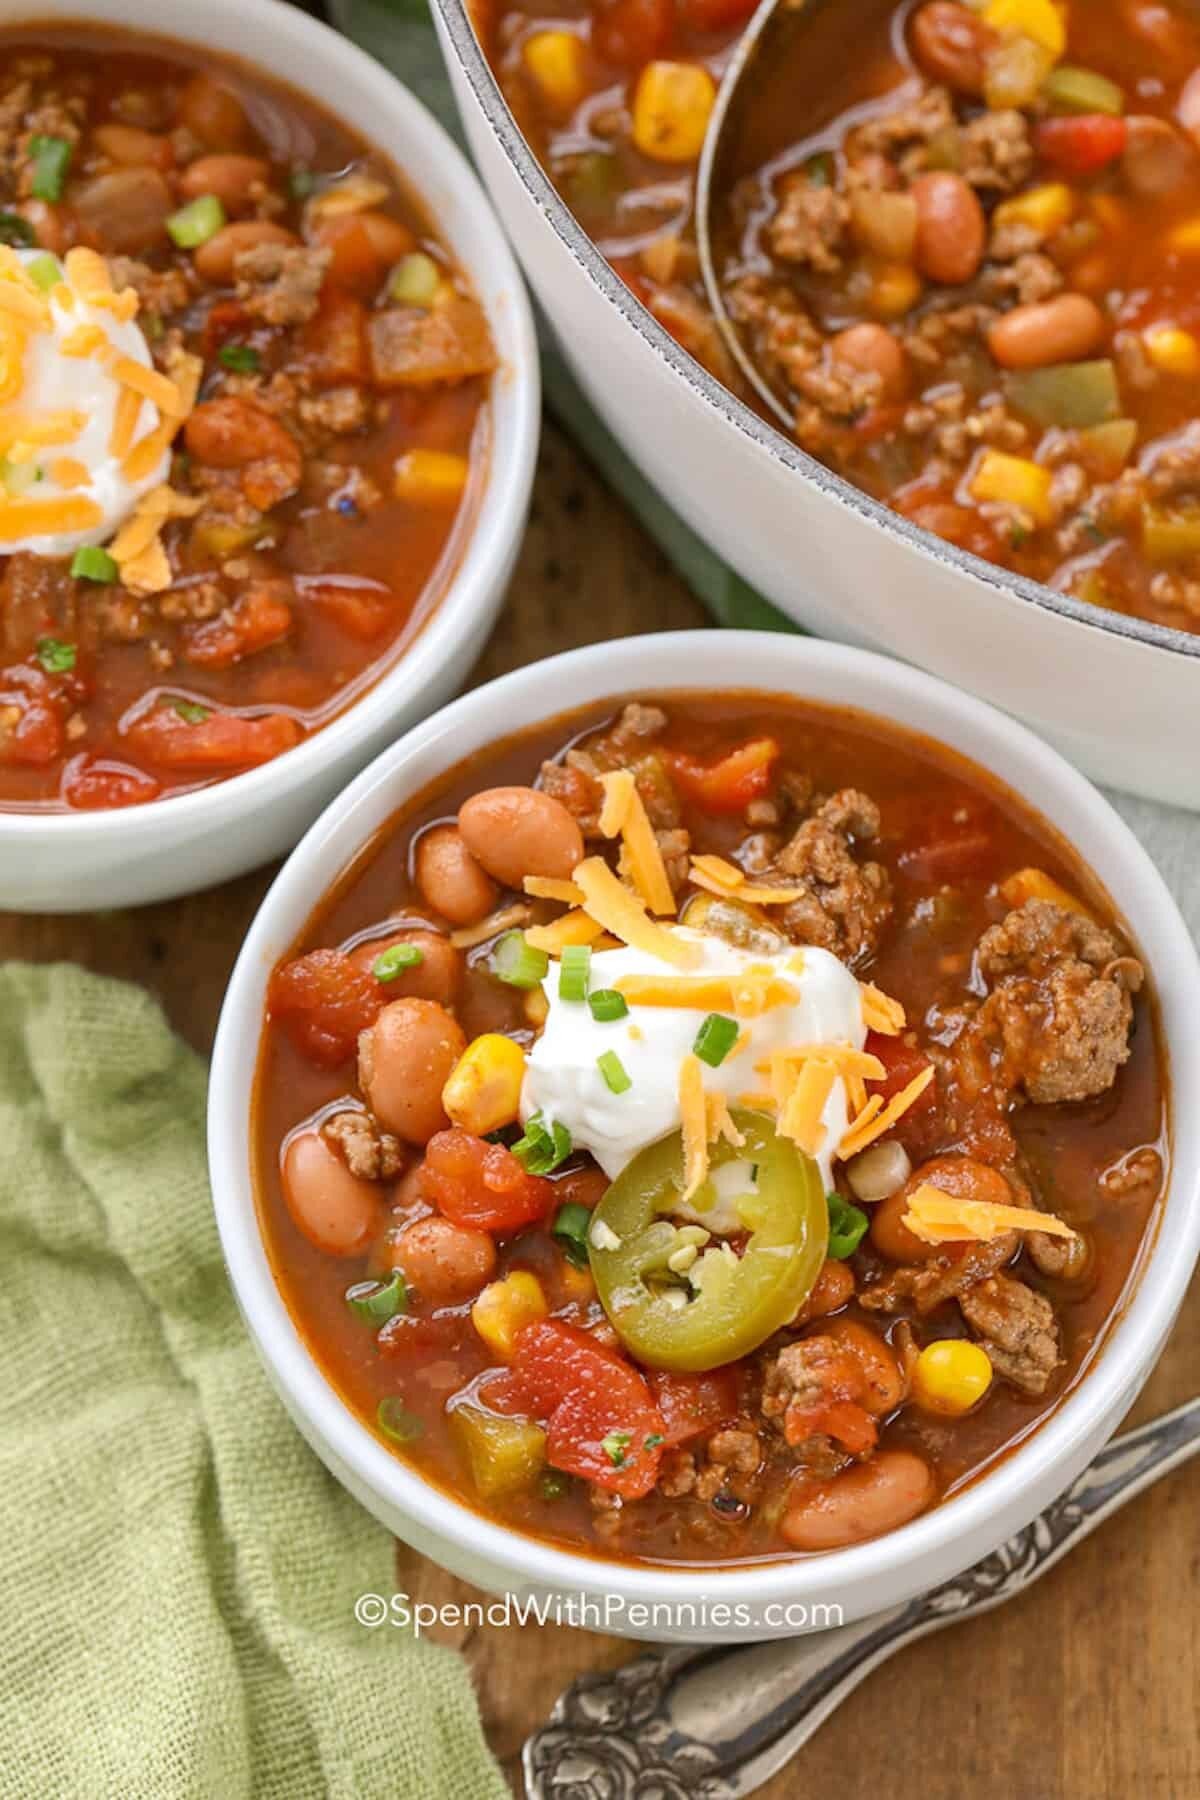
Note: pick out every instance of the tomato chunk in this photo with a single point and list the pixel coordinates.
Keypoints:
(472, 1182)
(363, 609)
(31, 730)
(690, 1404)
(959, 846)
(259, 618)
(333, 344)
(1082, 145)
(220, 741)
(95, 784)
(601, 1419)
(903, 1063)
(727, 786)
(714, 15)
(324, 1000)
(631, 32)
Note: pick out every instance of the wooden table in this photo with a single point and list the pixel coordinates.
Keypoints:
(1084, 1689)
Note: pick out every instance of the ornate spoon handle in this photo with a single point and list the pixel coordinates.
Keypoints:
(715, 1723)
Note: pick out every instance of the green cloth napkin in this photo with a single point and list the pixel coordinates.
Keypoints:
(179, 1569)
(400, 34)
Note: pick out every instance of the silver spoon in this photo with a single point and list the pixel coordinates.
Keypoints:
(717, 1722)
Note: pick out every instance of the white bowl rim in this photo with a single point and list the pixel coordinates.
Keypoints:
(545, 197)
(512, 448)
(694, 661)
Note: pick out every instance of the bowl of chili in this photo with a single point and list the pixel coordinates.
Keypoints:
(270, 415)
(910, 191)
(717, 1142)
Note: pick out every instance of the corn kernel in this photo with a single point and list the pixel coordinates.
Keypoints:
(431, 477)
(1036, 19)
(483, 1091)
(895, 289)
(1016, 481)
(1046, 209)
(1185, 239)
(1172, 350)
(951, 1376)
(1035, 884)
(536, 1007)
(671, 106)
(505, 1307)
(554, 60)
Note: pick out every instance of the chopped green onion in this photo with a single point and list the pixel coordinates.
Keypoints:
(543, 1146)
(51, 160)
(613, 1071)
(396, 1422)
(715, 1039)
(190, 712)
(518, 963)
(847, 1226)
(241, 357)
(16, 230)
(56, 657)
(196, 222)
(554, 1485)
(395, 960)
(375, 1302)
(45, 272)
(653, 1441)
(615, 1445)
(571, 1225)
(18, 477)
(415, 280)
(573, 972)
(94, 564)
(607, 1005)
(1071, 90)
(301, 183)
(821, 169)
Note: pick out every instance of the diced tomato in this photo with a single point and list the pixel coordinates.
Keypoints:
(690, 1404)
(714, 15)
(31, 730)
(363, 609)
(957, 846)
(324, 1000)
(472, 1182)
(601, 1419)
(333, 345)
(1081, 145)
(355, 263)
(258, 618)
(221, 741)
(632, 32)
(94, 784)
(932, 509)
(423, 1337)
(727, 786)
(877, 422)
(227, 319)
(902, 1062)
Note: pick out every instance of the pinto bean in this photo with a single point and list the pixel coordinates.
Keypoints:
(892, 1238)
(450, 879)
(337, 1212)
(438, 975)
(212, 113)
(961, 1176)
(951, 228)
(874, 350)
(883, 1386)
(125, 210)
(582, 1187)
(390, 238)
(864, 1502)
(951, 45)
(1157, 158)
(231, 433)
(228, 175)
(404, 1061)
(518, 831)
(445, 1263)
(831, 1290)
(132, 147)
(1052, 331)
(214, 260)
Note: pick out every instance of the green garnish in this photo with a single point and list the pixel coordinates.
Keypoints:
(614, 1072)
(573, 972)
(847, 1226)
(196, 222)
(715, 1039)
(554, 1485)
(190, 712)
(607, 1005)
(45, 272)
(94, 564)
(241, 357)
(56, 657)
(51, 160)
(16, 230)
(415, 280)
(395, 960)
(615, 1445)
(516, 962)
(375, 1302)
(821, 169)
(543, 1146)
(396, 1422)
(571, 1224)
(653, 1441)
(301, 183)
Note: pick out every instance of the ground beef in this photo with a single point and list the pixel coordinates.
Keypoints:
(997, 155)
(1029, 278)
(784, 341)
(945, 331)
(161, 291)
(576, 781)
(35, 591)
(1063, 1259)
(848, 903)
(1056, 1023)
(1140, 1169)
(366, 1150)
(193, 600)
(729, 1465)
(280, 283)
(636, 723)
(338, 410)
(1017, 1328)
(809, 223)
(691, 324)
(929, 1285)
(1171, 465)
(954, 435)
(909, 128)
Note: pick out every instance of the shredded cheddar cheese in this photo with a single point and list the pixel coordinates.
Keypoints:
(69, 472)
(800, 1115)
(84, 340)
(863, 1132)
(694, 1115)
(148, 383)
(642, 859)
(717, 881)
(937, 1217)
(35, 518)
(619, 787)
(746, 996)
(149, 572)
(573, 928)
(622, 913)
(880, 1012)
(48, 428)
(844, 1058)
(720, 1121)
(547, 887)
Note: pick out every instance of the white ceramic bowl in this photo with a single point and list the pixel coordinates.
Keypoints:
(1117, 695)
(65, 862)
(946, 1540)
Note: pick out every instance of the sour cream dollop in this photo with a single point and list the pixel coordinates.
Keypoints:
(564, 1082)
(41, 382)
